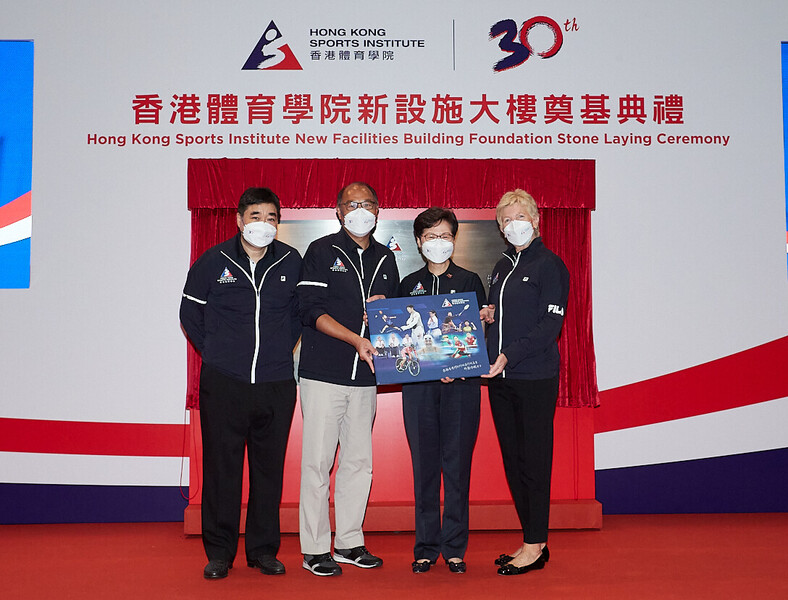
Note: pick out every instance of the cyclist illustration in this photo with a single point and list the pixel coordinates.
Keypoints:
(408, 360)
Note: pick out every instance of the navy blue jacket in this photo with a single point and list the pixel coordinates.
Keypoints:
(336, 280)
(454, 280)
(244, 327)
(529, 290)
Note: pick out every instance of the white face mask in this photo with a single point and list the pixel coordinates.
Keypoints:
(259, 233)
(437, 251)
(519, 233)
(360, 222)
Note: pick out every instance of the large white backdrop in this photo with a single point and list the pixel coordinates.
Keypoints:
(689, 262)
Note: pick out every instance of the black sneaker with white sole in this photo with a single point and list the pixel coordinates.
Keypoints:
(321, 564)
(358, 556)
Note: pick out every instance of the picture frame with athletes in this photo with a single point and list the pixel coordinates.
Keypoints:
(427, 338)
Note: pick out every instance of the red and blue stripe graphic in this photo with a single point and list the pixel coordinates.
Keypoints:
(84, 472)
(710, 438)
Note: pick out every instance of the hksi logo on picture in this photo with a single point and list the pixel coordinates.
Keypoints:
(532, 38)
(272, 53)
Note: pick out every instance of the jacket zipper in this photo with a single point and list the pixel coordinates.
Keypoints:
(500, 304)
(257, 291)
(363, 298)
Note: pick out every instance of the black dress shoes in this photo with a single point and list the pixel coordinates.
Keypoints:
(268, 565)
(505, 558)
(422, 566)
(456, 567)
(510, 569)
(216, 569)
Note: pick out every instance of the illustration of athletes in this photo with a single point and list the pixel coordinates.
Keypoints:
(426, 338)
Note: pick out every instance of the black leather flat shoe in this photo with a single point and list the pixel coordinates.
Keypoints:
(421, 566)
(268, 565)
(456, 567)
(217, 569)
(505, 558)
(510, 569)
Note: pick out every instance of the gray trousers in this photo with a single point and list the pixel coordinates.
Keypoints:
(335, 414)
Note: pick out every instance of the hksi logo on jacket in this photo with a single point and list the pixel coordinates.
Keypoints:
(226, 277)
(555, 309)
(418, 289)
(339, 266)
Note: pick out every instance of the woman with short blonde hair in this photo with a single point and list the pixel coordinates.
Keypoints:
(528, 293)
(523, 198)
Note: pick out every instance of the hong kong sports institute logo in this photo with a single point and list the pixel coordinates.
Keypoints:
(272, 53)
(519, 45)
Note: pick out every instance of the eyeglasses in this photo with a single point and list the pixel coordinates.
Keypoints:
(444, 236)
(365, 204)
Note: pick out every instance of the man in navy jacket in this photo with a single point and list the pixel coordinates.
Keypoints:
(240, 311)
(341, 273)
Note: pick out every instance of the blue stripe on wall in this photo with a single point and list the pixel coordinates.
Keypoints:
(16, 118)
(753, 482)
(784, 58)
(15, 265)
(39, 503)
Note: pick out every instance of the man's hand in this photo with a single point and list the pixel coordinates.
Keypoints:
(486, 314)
(372, 299)
(498, 366)
(366, 351)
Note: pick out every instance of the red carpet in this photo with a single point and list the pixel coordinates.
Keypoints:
(632, 557)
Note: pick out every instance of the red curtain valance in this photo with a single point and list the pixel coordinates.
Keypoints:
(400, 183)
(564, 190)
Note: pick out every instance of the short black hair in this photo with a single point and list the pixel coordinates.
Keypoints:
(431, 217)
(258, 195)
(362, 184)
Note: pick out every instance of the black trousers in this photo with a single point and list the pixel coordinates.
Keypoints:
(234, 416)
(523, 412)
(441, 422)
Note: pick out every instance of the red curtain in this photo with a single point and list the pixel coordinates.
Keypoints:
(563, 189)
